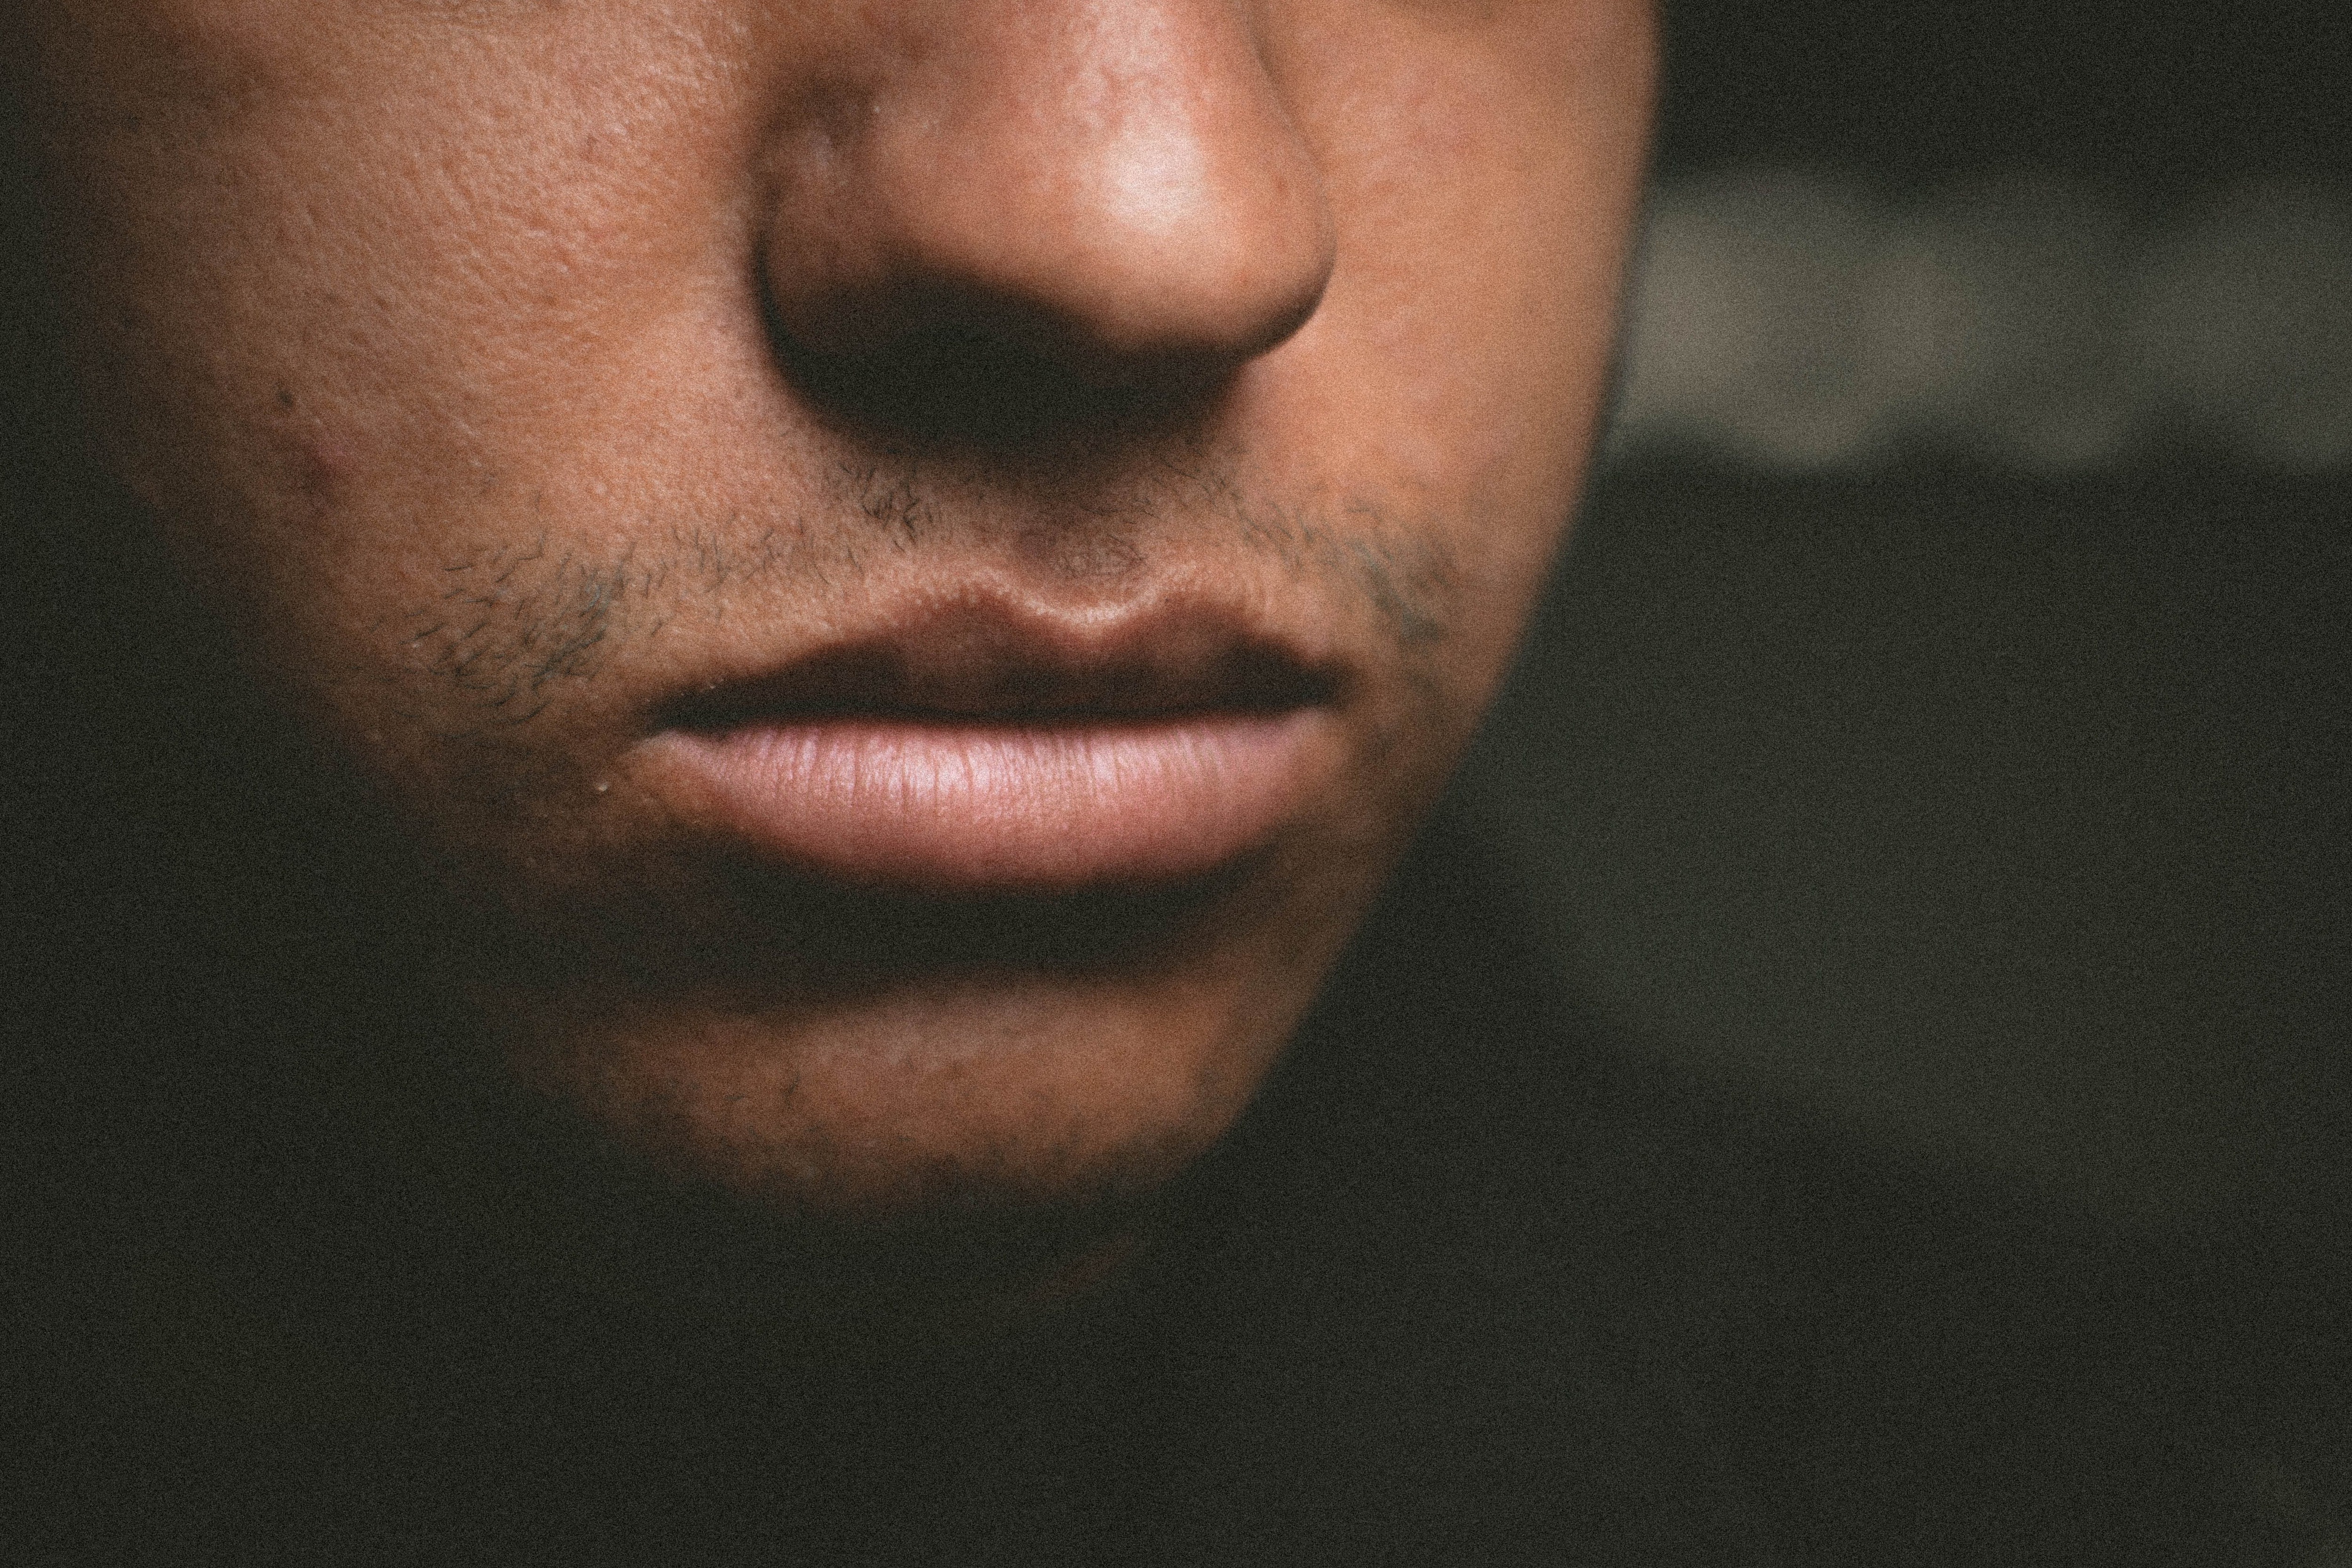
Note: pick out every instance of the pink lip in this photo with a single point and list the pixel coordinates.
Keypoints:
(959, 806)
(984, 749)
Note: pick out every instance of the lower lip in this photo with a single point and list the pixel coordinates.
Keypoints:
(962, 806)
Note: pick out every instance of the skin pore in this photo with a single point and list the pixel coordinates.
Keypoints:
(553, 397)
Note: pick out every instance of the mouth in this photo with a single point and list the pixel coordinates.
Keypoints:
(987, 748)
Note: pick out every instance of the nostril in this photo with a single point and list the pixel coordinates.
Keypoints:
(958, 384)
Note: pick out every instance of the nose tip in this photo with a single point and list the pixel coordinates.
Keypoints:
(1116, 191)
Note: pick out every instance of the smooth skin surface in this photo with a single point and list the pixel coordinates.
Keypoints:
(512, 374)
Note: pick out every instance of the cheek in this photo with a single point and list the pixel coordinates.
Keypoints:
(332, 297)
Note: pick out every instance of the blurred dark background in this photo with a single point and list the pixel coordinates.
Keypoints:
(2162, 96)
(1942, 722)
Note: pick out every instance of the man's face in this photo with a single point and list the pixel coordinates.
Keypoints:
(923, 557)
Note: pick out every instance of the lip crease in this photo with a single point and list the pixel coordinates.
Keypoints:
(986, 749)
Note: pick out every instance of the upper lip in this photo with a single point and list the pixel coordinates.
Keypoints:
(993, 660)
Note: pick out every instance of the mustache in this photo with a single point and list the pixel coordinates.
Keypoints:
(519, 626)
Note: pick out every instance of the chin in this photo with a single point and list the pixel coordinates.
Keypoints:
(1001, 1057)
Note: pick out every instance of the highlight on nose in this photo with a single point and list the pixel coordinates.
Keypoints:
(1109, 195)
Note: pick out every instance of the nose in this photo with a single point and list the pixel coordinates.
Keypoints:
(1113, 190)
